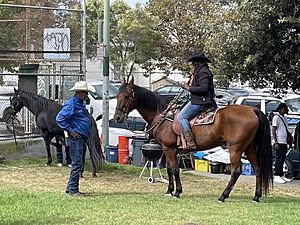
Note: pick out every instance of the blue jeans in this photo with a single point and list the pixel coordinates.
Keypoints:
(186, 113)
(77, 153)
(59, 155)
(280, 155)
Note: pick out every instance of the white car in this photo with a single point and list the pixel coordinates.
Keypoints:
(95, 104)
(268, 105)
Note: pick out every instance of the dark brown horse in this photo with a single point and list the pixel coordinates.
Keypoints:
(244, 130)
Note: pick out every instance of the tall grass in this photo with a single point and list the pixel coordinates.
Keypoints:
(31, 193)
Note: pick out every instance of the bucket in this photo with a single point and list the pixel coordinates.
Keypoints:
(123, 155)
(112, 154)
(215, 167)
(123, 142)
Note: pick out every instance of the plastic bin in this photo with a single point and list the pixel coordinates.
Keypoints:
(247, 169)
(201, 165)
(112, 154)
(215, 167)
(137, 157)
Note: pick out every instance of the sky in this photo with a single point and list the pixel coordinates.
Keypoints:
(133, 2)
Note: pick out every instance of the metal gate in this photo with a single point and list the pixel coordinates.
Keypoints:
(46, 34)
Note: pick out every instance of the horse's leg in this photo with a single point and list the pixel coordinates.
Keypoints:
(47, 143)
(83, 162)
(173, 168)
(68, 158)
(170, 174)
(251, 156)
(235, 160)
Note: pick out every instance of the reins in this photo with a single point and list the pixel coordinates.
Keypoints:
(165, 112)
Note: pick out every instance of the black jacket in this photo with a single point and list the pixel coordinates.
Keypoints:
(202, 89)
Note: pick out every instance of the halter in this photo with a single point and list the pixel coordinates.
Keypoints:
(125, 109)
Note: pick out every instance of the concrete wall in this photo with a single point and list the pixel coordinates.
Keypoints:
(24, 149)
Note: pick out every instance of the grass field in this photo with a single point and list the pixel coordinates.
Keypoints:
(31, 193)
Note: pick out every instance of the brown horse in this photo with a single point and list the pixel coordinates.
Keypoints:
(244, 130)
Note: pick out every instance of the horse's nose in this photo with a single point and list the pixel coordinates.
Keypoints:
(117, 118)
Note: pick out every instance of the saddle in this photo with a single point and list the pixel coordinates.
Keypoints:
(205, 117)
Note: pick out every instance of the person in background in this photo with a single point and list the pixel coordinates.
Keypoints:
(297, 137)
(74, 119)
(202, 91)
(60, 157)
(279, 132)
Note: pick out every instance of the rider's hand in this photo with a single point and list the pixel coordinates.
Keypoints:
(185, 86)
(276, 146)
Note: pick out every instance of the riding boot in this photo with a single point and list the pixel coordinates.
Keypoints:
(190, 140)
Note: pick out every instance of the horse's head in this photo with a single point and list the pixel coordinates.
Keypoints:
(126, 101)
(16, 102)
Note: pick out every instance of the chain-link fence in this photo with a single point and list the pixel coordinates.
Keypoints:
(41, 50)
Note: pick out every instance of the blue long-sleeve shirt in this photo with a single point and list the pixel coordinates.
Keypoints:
(74, 116)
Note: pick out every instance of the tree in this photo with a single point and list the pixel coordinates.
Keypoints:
(266, 47)
(185, 26)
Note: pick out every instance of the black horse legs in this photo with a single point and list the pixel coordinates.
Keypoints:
(178, 183)
(47, 142)
(234, 177)
(171, 182)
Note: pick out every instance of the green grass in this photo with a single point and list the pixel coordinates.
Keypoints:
(31, 193)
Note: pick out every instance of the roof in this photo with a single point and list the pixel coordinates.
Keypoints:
(167, 79)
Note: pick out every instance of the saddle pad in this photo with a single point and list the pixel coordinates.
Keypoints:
(206, 117)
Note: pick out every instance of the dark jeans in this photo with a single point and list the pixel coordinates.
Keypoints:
(59, 155)
(77, 153)
(280, 155)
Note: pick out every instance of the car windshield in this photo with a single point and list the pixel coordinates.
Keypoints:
(294, 104)
(112, 91)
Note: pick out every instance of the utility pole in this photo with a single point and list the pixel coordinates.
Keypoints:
(105, 110)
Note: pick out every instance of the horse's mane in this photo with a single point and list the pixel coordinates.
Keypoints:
(41, 101)
(150, 100)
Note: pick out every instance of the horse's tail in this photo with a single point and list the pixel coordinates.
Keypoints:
(94, 146)
(264, 151)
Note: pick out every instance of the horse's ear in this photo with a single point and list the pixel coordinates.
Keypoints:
(131, 81)
(123, 80)
(16, 91)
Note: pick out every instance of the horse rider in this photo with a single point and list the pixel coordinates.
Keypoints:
(202, 91)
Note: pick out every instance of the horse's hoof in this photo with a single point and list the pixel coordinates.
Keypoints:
(176, 195)
(221, 200)
(47, 164)
(94, 175)
(169, 194)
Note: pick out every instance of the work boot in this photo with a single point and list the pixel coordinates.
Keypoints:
(190, 141)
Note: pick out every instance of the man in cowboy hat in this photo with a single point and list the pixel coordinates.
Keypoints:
(202, 92)
(74, 119)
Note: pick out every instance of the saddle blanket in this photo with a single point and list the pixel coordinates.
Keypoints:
(206, 117)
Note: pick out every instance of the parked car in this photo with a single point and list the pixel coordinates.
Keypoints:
(223, 97)
(95, 104)
(268, 105)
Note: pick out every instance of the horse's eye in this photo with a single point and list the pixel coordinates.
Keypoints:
(126, 97)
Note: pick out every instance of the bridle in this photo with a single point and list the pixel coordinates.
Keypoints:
(126, 108)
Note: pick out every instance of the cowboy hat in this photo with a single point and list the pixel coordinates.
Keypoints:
(83, 86)
(198, 56)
